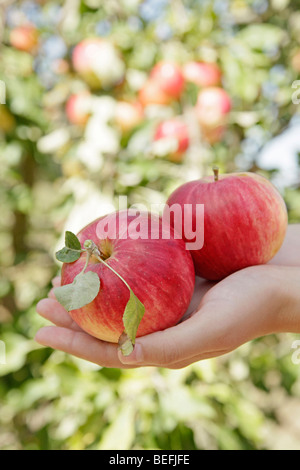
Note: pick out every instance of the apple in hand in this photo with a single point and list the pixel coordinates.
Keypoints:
(98, 63)
(78, 108)
(145, 252)
(213, 105)
(169, 77)
(202, 74)
(173, 136)
(24, 38)
(245, 221)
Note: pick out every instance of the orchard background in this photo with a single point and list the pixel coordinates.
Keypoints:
(65, 162)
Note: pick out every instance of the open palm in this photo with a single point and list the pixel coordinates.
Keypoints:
(221, 317)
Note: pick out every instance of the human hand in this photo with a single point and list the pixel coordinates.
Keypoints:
(253, 302)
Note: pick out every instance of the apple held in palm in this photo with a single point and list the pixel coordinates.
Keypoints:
(137, 259)
(245, 221)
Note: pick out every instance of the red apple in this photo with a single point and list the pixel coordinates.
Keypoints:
(145, 252)
(24, 38)
(245, 221)
(202, 74)
(128, 115)
(78, 108)
(174, 134)
(213, 104)
(98, 63)
(151, 93)
(212, 135)
(169, 77)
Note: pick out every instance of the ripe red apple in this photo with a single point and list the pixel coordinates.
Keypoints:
(24, 38)
(174, 134)
(128, 115)
(245, 221)
(98, 63)
(213, 104)
(151, 93)
(202, 74)
(78, 108)
(159, 270)
(169, 77)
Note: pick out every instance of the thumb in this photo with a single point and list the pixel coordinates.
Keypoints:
(168, 346)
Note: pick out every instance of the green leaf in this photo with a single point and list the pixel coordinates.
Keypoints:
(71, 252)
(81, 292)
(133, 314)
(71, 241)
(67, 255)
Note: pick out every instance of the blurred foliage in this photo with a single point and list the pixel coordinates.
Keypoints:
(55, 174)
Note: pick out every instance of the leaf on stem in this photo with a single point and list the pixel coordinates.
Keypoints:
(82, 291)
(71, 241)
(72, 251)
(132, 317)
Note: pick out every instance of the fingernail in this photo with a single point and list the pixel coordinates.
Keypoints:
(134, 357)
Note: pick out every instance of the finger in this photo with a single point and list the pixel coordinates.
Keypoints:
(81, 345)
(198, 358)
(51, 294)
(191, 338)
(56, 281)
(54, 312)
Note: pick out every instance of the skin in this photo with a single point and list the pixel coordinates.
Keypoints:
(251, 303)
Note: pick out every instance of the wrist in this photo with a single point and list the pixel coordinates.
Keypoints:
(286, 291)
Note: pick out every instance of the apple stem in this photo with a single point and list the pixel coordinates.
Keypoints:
(88, 255)
(92, 249)
(216, 173)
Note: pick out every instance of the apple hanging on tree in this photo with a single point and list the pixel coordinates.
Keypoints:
(24, 38)
(245, 221)
(152, 94)
(78, 108)
(128, 115)
(169, 77)
(98, 62)
(202, 74)
(173, 138)
(125, 275)
(212, 107)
